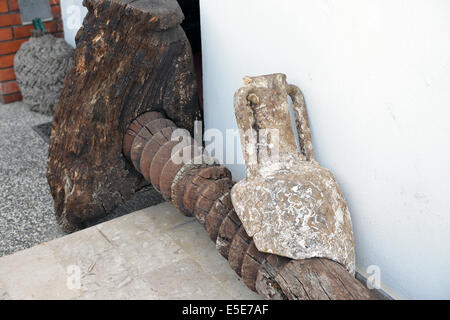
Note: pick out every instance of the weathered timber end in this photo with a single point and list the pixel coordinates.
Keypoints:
(131, 57)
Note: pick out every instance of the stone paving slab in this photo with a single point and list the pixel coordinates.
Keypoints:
(155, 253)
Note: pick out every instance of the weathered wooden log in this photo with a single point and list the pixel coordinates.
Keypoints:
(266, 284)
(131, 57)
(183, 177)
(168, 173)
(163, 156)
(208, 194)
(217, 214)
(134, 128)
(151, 148)
(203, 177)
(159, 160)
(139, 141)
(250, 265)
(227, 230)
(320, 279)
(238, 247)
(144, 135)
(174, 165)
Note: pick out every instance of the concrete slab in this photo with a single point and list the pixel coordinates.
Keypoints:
(155, 253)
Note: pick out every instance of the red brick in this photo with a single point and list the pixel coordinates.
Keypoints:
(3, 6)
(25, 31)
(10, 19)
(22, 31)
(5, 34)
(53, 2)
(50, 26)
(56, 11)
(10, 97)
(9, 87)
(7, 74)
(6, 61)
(11, 46)
(13, 5)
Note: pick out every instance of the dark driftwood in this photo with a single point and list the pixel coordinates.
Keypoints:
(238, 247)
(266, 283)
(171, 168)
(159, 161)
(131, 57)
(201, 179)
(184, 177)
(208, 194)
(134, 128)
(144, 135)
(281, 278)
(151, 148)
(320, 279)
(250, 265)
(230, 225)
(217, 214)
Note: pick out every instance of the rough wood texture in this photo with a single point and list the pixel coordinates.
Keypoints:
(266, 284)
(161, 158)
(208, 194)
(172, 167)
(250, 265)
(203, 177)
(184, 177)
(134, 128)
(320, 279)
(131, 57)
(151, 148)
(227, 230)
(289, 204)
(238, 248)
(217, 214)
(139, 141)
(144, 135)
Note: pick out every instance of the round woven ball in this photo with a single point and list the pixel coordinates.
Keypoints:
(41, 64)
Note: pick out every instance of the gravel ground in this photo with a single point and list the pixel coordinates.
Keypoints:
(26, 206)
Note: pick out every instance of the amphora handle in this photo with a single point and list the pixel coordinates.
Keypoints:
(301, 122)
(249, 137)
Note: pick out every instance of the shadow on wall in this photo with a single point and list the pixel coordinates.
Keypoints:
(191, 25)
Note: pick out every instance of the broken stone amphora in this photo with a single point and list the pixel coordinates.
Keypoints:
(289, 204)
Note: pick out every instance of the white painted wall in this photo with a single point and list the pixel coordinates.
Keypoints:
(73, 14)
(376, 77)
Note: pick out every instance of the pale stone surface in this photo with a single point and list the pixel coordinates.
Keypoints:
(3, 294)
(131, 241)
(289, 204)
(191, 281)
(155, 253)
(190, 237)
(35, 274)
